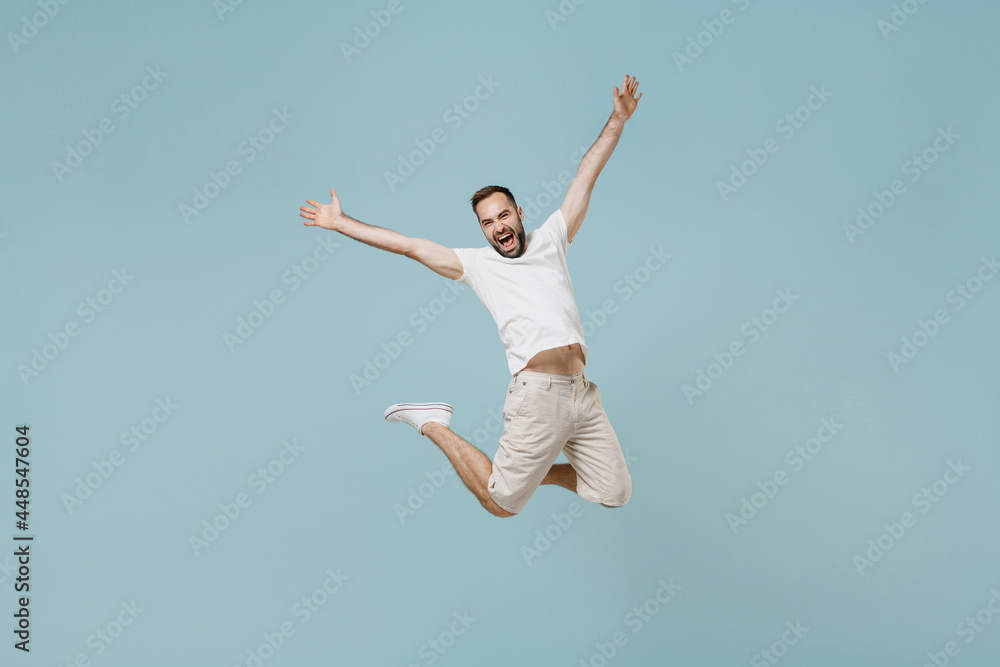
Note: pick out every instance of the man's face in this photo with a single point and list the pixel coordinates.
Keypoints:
(499, 220)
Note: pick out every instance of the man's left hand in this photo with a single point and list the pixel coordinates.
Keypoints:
(626, 101)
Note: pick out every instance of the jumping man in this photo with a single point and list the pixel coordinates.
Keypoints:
(551, 404)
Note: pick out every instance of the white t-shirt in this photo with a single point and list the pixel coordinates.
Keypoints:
(530, 297)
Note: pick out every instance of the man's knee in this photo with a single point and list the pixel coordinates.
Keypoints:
(496, 510)
(616, 503)
(620, 493)
(492, 506)
(489, 503)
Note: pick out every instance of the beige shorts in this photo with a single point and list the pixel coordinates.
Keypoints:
(547, 414)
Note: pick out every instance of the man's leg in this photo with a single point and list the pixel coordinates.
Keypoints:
(562, 474)
(596, 454)
(474, 467)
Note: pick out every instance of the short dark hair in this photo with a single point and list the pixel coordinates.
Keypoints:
(483, 193)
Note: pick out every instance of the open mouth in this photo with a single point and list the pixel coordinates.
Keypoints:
(506, 241)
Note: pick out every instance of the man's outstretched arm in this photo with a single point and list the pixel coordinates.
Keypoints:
(434, 256)
(574, 206)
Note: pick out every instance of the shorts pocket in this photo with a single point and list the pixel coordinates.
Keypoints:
(516, 398)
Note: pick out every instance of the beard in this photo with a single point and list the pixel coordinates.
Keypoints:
(515, 250)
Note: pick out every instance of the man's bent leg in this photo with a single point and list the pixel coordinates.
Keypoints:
(537, 415)
(473, 467)
(561, 474)
(595, 452)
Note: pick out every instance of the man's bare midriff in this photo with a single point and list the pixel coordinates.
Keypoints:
(562, 360)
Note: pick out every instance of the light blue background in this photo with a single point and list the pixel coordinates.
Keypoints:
(335, 506)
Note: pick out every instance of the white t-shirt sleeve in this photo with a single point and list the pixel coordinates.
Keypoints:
(555, 226)
(467, 256)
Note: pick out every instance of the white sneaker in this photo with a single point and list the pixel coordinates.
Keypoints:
(418, 414)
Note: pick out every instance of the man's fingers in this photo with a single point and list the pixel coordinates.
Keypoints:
(629, 85)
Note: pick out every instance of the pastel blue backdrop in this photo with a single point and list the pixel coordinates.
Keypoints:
(806, 388)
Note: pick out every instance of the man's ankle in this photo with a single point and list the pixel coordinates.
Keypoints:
(427, 428)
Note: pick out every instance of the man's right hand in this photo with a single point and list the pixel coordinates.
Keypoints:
(327, 216)
(437, 258)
